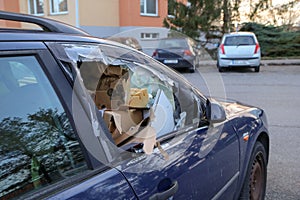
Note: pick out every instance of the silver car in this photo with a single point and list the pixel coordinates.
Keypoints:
(239, 49)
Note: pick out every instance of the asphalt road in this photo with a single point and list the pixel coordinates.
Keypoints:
(276, 89)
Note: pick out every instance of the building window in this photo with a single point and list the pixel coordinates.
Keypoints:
(149, 7)
(58, 6)
(36, 7)
(149, 35)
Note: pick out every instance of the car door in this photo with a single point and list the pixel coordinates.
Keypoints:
(42, 153)
(164, 145)
(197, 163)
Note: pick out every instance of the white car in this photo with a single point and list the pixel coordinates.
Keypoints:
(239, 49)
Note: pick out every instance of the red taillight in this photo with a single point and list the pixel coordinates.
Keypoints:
(187, 53)
(155, 53)
(222, 48)
(256, 48)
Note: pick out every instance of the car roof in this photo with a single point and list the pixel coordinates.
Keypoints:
(14, 36)
(241, 33)
(8, 36)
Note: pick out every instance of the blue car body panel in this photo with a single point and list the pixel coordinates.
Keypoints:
(108, 185)
(207, 164)
(255, 125)
(202, 163)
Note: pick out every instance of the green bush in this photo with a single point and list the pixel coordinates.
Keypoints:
(275, 41)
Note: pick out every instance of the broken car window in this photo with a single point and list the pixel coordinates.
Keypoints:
(139, 99)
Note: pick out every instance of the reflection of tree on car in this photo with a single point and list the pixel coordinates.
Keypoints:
(43, 144)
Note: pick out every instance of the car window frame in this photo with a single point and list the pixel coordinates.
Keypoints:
(170, 74)
(240, 36)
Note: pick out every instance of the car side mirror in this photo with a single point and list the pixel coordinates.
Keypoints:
(215, 113)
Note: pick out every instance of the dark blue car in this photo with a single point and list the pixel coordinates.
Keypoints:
(85, 118)
(178, 53)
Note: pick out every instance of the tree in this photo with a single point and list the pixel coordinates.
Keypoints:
(197, 14)
(258, 6)
(283, 14)
(202, 14)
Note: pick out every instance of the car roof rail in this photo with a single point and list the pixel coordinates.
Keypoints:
(47, 25)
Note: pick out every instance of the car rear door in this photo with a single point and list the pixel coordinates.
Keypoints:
(42, 153)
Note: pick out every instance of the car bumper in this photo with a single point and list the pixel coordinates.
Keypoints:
(239, 62)
(177, 63)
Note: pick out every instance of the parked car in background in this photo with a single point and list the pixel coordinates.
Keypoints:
(239, 49)
(87, 118)
(178, 53)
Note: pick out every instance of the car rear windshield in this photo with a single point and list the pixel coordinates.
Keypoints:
(173, 43)
(239, 40)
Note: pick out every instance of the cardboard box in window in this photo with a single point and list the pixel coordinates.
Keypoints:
(139, 98)
(110, 91)
(126, 116)
(102, 98)
(129, 125)
(114, 71)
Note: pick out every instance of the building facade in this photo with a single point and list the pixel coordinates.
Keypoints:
(13, 6)
(102, 18)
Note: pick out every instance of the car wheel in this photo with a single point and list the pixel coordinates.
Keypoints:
(254, 187)
(221, 69)
(257, 69)
(192, 70)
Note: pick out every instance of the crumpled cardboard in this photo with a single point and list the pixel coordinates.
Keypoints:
(127, 114)
(128, 124)
(114, 71)
(138, 98)
(110, 91)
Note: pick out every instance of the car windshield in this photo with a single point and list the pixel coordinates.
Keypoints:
(239, 40)
(173, 43)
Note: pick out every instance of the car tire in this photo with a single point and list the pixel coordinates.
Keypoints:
(193, 67)
(191, 70)
(254, 187)
(257, 69)
(221, 69)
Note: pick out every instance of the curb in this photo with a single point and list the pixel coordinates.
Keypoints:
(281, 62)
(263, 62)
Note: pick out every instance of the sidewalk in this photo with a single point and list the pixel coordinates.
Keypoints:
(281, 62)
(263, 62)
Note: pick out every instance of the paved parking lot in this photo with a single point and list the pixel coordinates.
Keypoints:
(276, 89)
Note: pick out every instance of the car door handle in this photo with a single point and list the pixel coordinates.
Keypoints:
(166, 194)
